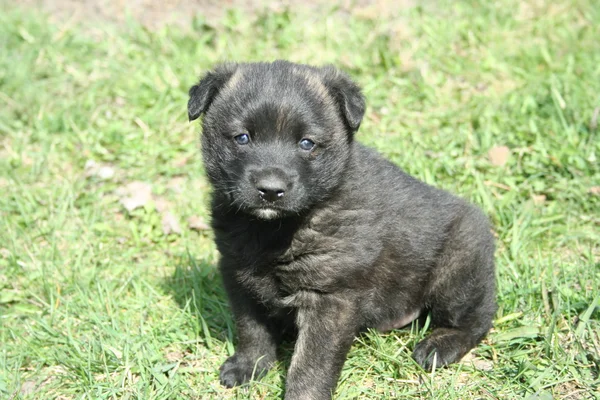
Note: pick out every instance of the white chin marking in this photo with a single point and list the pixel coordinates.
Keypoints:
(266, 213)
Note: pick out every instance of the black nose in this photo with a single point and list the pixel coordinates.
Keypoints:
(271, 188)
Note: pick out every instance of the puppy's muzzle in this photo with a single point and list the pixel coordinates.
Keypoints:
(271, 185)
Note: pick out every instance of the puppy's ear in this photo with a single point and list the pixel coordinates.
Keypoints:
(347, 94)
(202, 94)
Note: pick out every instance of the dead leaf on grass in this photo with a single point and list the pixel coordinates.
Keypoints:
(479, 363)
(138, 194)
(197, 223)
(26, 160)
(170, 224)
(161, 204)
(176, 184)
(174, 356)
(100, 171)
(181, 161)
(135, 195)
(120, 101)
(594, 120)
(538, 199)
(595, 190)
(498, 185)
(28, 387)
(498, 155)
(483, 365)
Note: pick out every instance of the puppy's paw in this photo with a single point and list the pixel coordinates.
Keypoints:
(237, 370)
(442, 347)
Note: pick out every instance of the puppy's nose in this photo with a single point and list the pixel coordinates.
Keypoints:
(271, 188)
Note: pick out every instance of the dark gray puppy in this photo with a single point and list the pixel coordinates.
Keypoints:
(323, 235)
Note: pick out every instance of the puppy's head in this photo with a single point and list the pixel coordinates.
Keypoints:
(276, 136)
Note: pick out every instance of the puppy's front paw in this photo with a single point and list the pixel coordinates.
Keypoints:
(237, 370)
(444, 346)
(426, 353)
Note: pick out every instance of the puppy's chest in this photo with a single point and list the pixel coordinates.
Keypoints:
(305, 264)
(323, 254)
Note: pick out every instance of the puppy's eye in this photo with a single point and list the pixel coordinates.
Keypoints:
(306, 144)
(242, 139)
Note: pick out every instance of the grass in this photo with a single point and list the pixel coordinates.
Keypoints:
(98, 302)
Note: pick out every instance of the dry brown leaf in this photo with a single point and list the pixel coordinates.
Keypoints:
(498, 155)
(120, 101)
(595, 190)
(594, 120)
(174, 356)
(28, 387)
(479, 363)
(26, 160)
(135, 194)
(197, 223)
(176, 184)
(103, 172)
(170, 224)
(496, 184)
(483, 365)
(181, 161)
(161, 204)
(538, 199)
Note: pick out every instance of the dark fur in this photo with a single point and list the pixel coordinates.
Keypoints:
(352, 242)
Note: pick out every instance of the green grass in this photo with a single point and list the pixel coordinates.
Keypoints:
(97, 302)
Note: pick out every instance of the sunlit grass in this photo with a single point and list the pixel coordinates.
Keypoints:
(97, 302)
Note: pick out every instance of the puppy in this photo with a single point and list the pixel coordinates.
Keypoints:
(322, 235)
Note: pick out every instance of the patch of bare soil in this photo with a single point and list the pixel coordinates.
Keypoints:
(155, 13)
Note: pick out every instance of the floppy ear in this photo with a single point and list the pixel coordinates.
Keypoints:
(202, 94)
(347, 94)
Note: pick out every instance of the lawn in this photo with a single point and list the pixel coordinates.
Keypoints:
(108, 279)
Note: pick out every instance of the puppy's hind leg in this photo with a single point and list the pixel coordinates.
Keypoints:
(461, 296)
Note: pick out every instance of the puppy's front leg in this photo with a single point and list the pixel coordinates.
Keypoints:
(258, 337)
(326, 328)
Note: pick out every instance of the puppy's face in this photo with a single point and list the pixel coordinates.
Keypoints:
(276, 137)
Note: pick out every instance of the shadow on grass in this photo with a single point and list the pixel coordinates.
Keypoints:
(197, 288)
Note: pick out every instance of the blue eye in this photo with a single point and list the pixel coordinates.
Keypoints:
(306, 144)
(242, 139)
